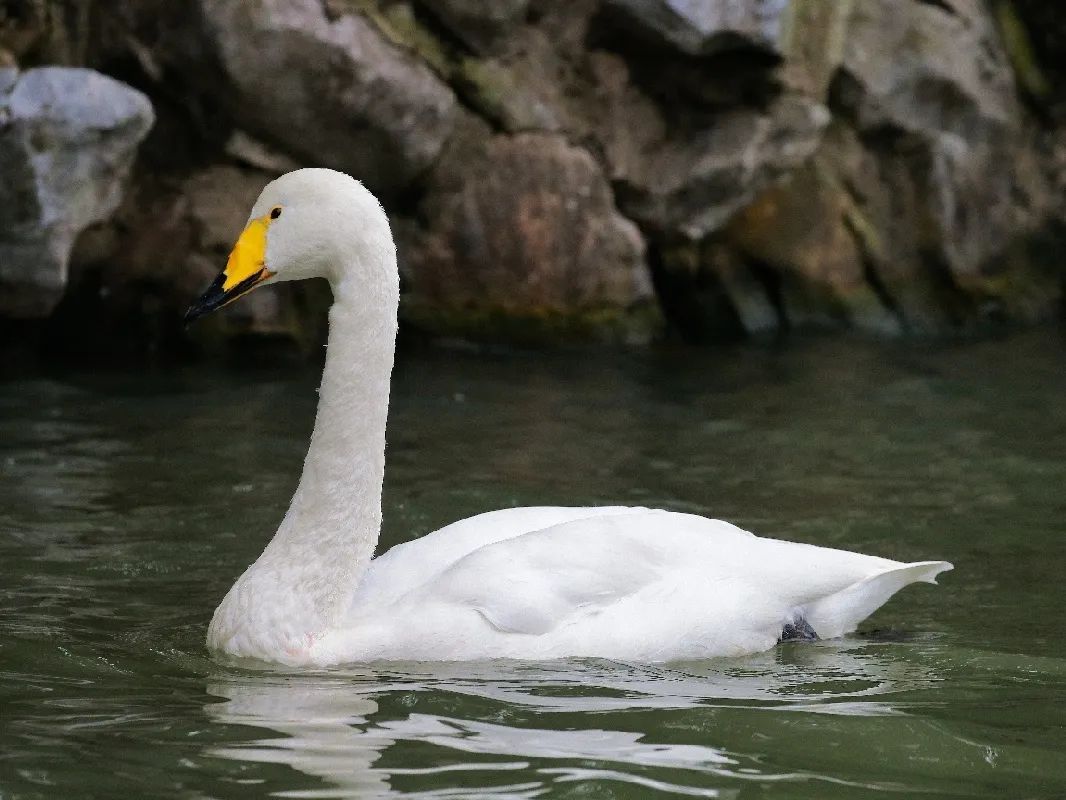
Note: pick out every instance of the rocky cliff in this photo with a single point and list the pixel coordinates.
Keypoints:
(606, 169)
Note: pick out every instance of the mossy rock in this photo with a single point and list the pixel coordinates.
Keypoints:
(637, 325)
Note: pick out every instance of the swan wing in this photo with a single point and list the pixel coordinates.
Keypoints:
(413, 563)
(544, 580)
(638, 584)
(534, 583)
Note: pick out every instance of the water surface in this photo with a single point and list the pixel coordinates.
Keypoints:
(129, 503)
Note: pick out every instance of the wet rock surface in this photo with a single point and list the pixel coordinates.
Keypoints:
(595, 168)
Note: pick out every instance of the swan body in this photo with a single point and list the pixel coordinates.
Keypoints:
(615, 582)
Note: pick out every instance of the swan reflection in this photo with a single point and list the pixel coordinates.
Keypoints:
(341, 726)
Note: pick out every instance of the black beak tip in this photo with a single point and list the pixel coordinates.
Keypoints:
(207, 302)
(192, 314)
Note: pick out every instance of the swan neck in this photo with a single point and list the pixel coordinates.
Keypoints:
(329, 534)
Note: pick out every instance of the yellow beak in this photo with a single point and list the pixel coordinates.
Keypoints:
(245, 269)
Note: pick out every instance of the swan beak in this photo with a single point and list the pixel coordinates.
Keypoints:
(244, 270)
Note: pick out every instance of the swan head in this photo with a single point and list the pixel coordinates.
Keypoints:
(309, 223)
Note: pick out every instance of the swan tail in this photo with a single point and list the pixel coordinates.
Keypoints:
(842, 612)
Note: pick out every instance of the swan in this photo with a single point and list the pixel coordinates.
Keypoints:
(636, 584)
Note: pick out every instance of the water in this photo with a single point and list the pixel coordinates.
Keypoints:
(129, 502)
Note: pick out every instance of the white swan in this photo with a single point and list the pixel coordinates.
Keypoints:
(626, 583)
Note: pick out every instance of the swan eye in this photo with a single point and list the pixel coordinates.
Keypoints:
(275, 212)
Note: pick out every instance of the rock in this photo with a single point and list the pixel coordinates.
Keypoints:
(477, 23)
(524, 228)
(1034, 36)
(330, 91)
(217, 200)
(691, 185)
(706, 27)
(521, 92)
(903, 214)
(247, 150)
(813, 45)
(177, 239)
(945, 173)
(134, 277)
(938, 68)
(50, 32)
(807, 256)
(535, 77)
(802, 254)
(67, 140)
(886, 165)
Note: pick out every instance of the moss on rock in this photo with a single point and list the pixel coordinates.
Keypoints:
(638, 324)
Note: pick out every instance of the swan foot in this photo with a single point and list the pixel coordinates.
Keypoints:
(799, 630)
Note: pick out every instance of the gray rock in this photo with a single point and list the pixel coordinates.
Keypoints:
(705, 27)
(932, 94)
(927, 69)
(67, 140)
(330, 91)
(694, 184)
(905, 214)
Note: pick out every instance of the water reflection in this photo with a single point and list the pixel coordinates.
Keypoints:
(338, 726)
(323, 723)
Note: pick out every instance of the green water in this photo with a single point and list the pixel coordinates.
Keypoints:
(129, 502)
